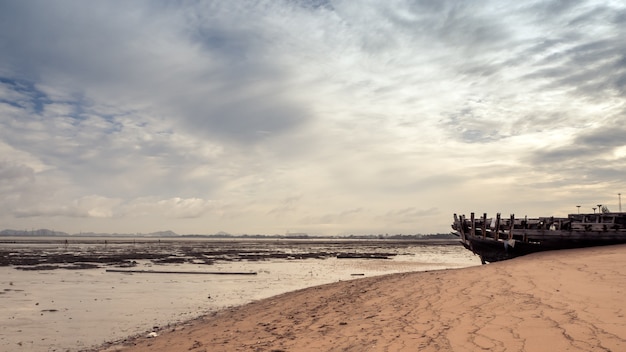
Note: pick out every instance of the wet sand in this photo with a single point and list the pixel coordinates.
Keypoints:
(571, 300)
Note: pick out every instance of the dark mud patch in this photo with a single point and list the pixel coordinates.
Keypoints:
(75, 255)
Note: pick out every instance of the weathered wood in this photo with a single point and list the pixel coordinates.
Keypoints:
(484, 227)
(180, 272)
(497, 233)
(463, 226)
(511, 226)
(502, 240)
(458, 226)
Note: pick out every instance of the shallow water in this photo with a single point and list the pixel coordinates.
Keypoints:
(70, 310)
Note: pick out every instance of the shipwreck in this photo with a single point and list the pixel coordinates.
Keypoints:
(496, 239)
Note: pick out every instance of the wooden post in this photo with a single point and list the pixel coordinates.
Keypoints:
(525, 221)
(497, 229)
(484, 227)
(463, 226)
(459, 227)
(473, 231)
(511, 227)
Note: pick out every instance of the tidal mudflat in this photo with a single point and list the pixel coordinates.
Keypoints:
(58, 296)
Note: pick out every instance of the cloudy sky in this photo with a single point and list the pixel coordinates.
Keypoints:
(324, 117)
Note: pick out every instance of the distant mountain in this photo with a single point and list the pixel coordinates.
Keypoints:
(40, 232)
(167, 233)
(50, 233)
(103, 234)
(221, 234)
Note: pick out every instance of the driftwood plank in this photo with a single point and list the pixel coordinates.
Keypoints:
(180, 272)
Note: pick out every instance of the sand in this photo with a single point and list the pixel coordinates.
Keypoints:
(572, 300)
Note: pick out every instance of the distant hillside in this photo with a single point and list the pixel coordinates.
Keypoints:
(50, 233)
(221, 234)
(167, 233)
(40, 232)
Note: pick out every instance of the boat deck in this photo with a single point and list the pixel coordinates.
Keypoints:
(518, 236)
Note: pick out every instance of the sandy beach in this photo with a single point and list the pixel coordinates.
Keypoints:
(555, 301)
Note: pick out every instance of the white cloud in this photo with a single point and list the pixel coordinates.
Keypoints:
(290, 115)
(169, 208)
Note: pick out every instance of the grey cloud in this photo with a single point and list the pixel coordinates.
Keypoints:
(605, 137)
(408, 215)
(591, 148)
(470, 127)
(464, 28)
(233, 45)
(333, 218)
(568, 57)
(238, 114)
(593, 76)
(411, 211)
(20, 188)
(111, 153)
(14, 178)
(125, 76)
(238, 93)
(177, 208)
(619, 17)
(589, 159)
(316, 4)
(48, 212)
(564, 52)
(550, 10)
(42, 37)
(596, 13)
(287, 205)
(569, 155)
(540, 120)
(586, 53)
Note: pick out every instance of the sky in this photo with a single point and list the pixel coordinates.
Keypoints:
(307, 116)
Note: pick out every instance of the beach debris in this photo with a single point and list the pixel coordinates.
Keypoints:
(365, 255)
(181, 272)
(152, 334)
(128, 264)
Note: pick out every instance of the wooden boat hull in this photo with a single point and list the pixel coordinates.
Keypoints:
(493, 251)
(501, 239)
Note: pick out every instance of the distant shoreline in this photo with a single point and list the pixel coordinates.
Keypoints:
(171, 234)
(144, 239)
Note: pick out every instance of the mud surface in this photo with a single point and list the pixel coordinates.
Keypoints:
(73, 254)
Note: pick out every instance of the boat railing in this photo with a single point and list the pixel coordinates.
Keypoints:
(532, 229)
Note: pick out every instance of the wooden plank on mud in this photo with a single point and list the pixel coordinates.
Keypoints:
(180, 272)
